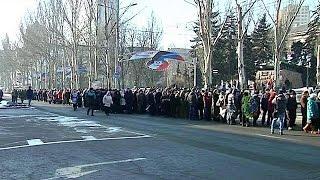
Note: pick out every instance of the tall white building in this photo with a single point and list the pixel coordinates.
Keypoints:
(299, 25)
(302, 19)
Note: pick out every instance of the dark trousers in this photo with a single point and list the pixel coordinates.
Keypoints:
(74, 106)
(255, 118)
(107, 110)
(207, 113)
(304, 116)
(292, 117)
(264, 113)
(201, 113)
(270, 117)
(90, 108)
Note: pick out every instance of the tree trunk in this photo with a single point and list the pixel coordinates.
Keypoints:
(241, 70)
(277, 67)
(318, 65)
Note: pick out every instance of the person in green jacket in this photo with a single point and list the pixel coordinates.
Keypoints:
(312, 112)
(246, 113)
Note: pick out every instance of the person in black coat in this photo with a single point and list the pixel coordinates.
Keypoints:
(116, 101)
(264, 106)
(157, 98)
(135, 101)
(173, 104)
(1, 94)
(128, 97)
(200, 104)
(292, 109)
(151, 103)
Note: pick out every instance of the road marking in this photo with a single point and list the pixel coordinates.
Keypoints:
(75, 141)
(274, 137)
(89, 138)
(22, 116)
(34, 142)
(77, 171)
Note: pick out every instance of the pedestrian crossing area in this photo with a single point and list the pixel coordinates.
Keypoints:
(34, 127)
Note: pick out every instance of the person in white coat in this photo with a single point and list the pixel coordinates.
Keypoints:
(107, 102)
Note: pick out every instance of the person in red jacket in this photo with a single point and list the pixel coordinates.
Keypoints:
(270, 106)
(207, 99)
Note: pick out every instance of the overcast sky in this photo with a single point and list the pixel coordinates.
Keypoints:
(175, 16)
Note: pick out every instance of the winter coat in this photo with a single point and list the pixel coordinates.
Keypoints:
(74, 98)
(107, 100)
(246, 106)
(312, 110)
(281, 103)
(29, 94)
(255, 104)
(192, 99)
(91, 97)
(292, 104)
(304, 101)
(264, 102)
(207, 100)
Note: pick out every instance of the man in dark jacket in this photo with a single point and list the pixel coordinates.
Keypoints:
(128, 97)
(91, 98)
(255, 107)
(264, 106)
(151, 102)
(292, 109)
(157, 98)
(200, 104)
(1, 94)
(193, 105)
(280, 102)
(29, 95)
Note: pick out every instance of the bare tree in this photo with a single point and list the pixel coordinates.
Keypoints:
(282, 27)
(205, 8)
(241, 34)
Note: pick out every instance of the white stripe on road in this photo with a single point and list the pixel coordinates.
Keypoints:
(89, 138)
(274, 137)
(34, 142)
(78, 171)
(75, 141)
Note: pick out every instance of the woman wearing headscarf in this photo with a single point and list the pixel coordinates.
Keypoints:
(107, 102)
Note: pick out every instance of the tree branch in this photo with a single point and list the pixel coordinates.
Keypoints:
(268, 12)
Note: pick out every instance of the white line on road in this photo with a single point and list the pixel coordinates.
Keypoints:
(89, 138)
(34, 142)
(22, 116)
(274, 137)
(77, 171)
(75, 141)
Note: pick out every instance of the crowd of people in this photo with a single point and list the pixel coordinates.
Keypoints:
(247, 108)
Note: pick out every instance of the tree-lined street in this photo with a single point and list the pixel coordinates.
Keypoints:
(99, 89)
(55, 142)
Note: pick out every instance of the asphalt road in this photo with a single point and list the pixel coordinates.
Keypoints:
(53, 142)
